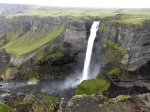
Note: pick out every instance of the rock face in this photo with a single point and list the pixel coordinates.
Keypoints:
(75, 31)
(133, 38)
(87, 103)
(125, 53)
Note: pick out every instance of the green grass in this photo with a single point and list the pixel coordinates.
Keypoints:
(138, 14)
(5, 108)
(50, 100)
(15, 33)
(56, 55)
(131, 19)
(114, 71)
(94, 86)
(102, 27)
(119, 98)
(72, 12)
(39, 56)
(12, 36)
(115, 52)
(1, 42)
(33, 40)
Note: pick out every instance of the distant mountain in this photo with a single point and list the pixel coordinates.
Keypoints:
(12, 8)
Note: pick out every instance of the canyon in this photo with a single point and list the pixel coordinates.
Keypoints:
(49, 52)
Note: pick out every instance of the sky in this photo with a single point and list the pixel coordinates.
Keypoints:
(85, 3)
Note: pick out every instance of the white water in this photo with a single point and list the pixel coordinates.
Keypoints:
(91, 39)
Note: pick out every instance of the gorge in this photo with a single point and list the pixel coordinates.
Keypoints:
(48, 46)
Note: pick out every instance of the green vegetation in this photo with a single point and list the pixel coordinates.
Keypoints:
(102, 27)
(40, 56)
(56, 55)
(50, 100)
(72, 12)
(37, 107)
(47, 99)
(17, 31)
(114, 51)
(5, 108)
(94, 86)
(1, 35)
(33, 40)
(130, 19)
(33, 75)
(12, 36)
(1, 42)
(132, 16)
(114, 71)
(119, 98)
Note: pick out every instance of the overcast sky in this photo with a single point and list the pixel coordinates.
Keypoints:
(86, 3)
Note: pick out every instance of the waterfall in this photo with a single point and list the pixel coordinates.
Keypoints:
(91, 39)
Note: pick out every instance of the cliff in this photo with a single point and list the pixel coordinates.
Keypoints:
(40, 46)
(124, 54)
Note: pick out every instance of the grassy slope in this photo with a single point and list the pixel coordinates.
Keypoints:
(32, 40)
(5, 108)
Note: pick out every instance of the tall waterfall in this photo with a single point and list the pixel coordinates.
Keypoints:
(91, 39)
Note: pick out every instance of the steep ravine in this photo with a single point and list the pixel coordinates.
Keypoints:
(54, 48)
(122, 49)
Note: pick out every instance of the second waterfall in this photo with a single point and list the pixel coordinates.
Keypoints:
(94, 28)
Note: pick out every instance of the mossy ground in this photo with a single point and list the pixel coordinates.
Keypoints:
(130, 19)
(1, 43)
(114, 71)
(50, 100)
(94, 86)
(55, 56)
(102, 27)
(47, 99)
(5, 108)
(119, 98)
(115, 53)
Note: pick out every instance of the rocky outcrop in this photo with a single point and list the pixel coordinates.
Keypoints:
(30, 103)
(75, 30)
(94, 103)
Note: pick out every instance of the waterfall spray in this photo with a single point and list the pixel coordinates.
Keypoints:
(91, 39)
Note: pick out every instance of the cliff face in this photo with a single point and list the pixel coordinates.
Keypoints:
(134, 39)
(45, 47)
(125, 54)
